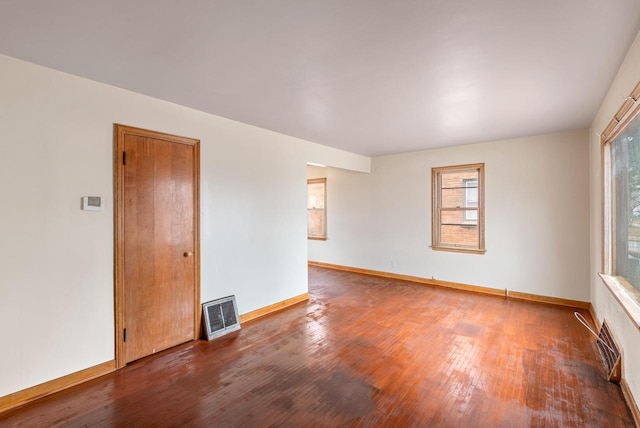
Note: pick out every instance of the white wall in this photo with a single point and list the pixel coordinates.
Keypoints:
(537, 216)
(607, 308)
(56, 261)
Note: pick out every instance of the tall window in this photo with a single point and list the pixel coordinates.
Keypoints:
(458, 208)
(316, 208)
(621, 205)
(622, 194)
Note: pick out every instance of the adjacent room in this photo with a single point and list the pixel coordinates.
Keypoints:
(420, 209)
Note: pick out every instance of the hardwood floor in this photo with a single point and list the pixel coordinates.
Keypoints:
(364, 351)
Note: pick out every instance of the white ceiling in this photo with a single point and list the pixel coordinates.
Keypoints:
(369, 76)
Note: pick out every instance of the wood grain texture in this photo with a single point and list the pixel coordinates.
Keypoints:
(459, 286)
(267, 310)
(159, 231)
(625, 114)
(157, 222)
(631, 402)
(47, 388)
(545, 299)
(416, 279)
(363, 351)
(624, 109)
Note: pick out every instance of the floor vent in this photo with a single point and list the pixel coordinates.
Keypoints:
(220, 317)
(610, 353)
(607, 348)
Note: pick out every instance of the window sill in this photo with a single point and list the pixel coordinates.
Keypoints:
(459, 249)
(626, 295)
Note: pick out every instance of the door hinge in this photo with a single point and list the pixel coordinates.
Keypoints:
(124, 335)
(124, 158)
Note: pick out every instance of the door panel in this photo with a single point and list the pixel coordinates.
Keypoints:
(159, 279)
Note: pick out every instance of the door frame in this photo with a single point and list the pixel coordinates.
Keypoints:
(119, 132)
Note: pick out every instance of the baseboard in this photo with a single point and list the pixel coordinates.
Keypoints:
(594, 316)
(459, 286)
(545, 299)
(631, 402)
(417, 279)
(38, 391)
(250, 316)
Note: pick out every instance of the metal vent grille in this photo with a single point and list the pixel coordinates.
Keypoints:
(609, 352)
(220, 317)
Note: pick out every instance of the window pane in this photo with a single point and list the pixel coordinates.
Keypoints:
(316, 195)
(471, 199)
(626, 182)
(451, 217)
(453, 197)
(316, 210)
(316, 223)
(459, 189)
(471, 216)
(456, 178)
(464, 236)
(459, 217)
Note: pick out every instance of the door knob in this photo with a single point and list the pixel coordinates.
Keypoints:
(188, 254)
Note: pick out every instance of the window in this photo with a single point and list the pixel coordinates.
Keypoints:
(316, 208)
(623, 197)
(458, 208)
(625, 186)
(621, 205)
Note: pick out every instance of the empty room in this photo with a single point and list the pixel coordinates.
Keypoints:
(320, 213)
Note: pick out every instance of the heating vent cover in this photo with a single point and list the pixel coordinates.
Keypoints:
(610, 353)
(220, 317)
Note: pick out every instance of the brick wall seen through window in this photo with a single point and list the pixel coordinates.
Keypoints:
(458, 211)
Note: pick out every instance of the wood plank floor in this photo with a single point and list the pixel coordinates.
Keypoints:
(364, 351)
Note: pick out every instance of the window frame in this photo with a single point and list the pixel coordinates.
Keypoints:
(623, 291)
(437, 208)
(324, 215)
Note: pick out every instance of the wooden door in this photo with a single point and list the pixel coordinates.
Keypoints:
(158, 237)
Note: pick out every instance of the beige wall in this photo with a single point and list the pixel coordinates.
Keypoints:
(537, 216)
(56, 275)
(56, 282)
(606, 306)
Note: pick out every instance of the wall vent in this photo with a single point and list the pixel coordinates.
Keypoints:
(220, 317)
(610, 353)
(607, 348)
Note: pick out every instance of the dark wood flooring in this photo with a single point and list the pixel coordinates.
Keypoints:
(364, 351)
